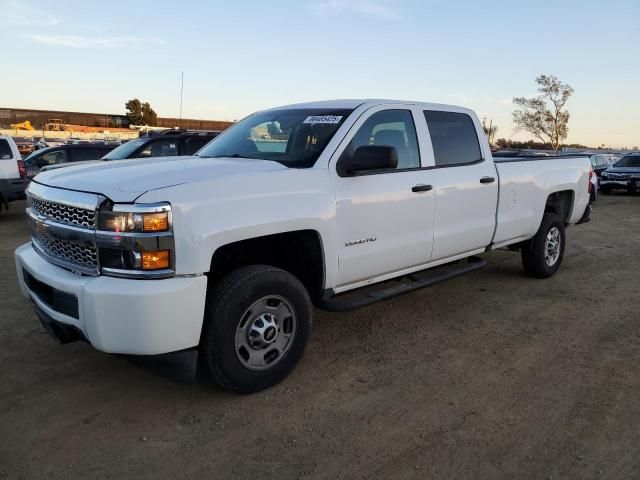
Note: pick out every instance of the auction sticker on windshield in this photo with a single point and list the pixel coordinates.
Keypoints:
(330, 119)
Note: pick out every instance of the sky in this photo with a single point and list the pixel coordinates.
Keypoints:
(244, 55)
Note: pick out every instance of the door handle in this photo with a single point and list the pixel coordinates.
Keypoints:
(487, 180)
(421, 188)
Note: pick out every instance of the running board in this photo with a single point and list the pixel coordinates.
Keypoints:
(414, 281)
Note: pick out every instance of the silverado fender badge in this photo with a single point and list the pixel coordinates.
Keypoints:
(358, 242)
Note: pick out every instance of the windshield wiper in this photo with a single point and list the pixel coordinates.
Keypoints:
(232, 155)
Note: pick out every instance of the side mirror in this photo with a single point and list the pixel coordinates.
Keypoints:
(370, 157)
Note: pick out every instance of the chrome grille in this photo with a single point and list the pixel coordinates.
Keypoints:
(83, 256)
(66, 214)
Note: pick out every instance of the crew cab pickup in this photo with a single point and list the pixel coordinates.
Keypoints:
(335, 204)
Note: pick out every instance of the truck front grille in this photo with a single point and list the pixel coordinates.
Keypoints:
(66, 214)
(73, 254)
(62, 231)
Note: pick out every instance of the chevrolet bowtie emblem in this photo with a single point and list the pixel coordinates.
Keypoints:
(41, 227)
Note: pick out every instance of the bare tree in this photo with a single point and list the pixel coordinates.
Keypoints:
(489, 130)
(543, 116)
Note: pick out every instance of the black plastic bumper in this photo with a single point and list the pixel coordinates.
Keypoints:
(60, 331)
(12, 189)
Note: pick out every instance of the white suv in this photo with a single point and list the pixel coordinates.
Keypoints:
(13, 176)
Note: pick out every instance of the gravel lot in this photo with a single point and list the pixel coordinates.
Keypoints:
(492, 375)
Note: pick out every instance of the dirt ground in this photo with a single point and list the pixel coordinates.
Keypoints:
(491, 375)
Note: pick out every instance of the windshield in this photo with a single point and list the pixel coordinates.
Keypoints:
(294, 137)
(124, 150)
(629, 161)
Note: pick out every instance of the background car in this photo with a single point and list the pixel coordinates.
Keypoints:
(25, 145)
(601, 161)
(45, 142)
(163, 143)
(64, 154)
(623, 175)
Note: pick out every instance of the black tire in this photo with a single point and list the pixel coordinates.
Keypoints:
(605, 190)
(533, 251)
(227, 304)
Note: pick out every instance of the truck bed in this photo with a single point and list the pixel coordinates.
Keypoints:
(525, 185)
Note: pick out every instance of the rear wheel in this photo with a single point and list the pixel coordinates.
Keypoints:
(257, 321)
(542, 255)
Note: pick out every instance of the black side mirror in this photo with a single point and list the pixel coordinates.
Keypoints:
(370, 157)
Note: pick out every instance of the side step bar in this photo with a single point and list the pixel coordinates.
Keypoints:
(414, 281)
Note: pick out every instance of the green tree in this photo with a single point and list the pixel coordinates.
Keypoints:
(140, 113)
(544, 116)
(149, 116)
(134, 111)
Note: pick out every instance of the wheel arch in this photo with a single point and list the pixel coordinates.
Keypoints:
(299, 252)
(561, 203)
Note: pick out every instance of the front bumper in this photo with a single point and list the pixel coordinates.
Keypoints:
(115, 315)
(13, 189)
(624, 183)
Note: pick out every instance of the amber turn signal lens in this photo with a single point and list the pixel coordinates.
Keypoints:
(155, 260)
(155, 222)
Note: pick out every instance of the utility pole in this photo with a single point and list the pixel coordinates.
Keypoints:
(181, 90)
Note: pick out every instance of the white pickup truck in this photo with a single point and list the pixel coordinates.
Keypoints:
(335, 204)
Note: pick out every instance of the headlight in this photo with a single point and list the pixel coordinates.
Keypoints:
(136, 241)
(119, 221)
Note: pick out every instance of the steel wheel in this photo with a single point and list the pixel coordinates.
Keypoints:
(265, 332)
(552, 246)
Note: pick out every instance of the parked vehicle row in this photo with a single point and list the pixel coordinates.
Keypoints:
(170, 142)
(27, 145)
(623, 175)
(336, 204)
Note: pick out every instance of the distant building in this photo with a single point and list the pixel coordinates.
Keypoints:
(39, 118)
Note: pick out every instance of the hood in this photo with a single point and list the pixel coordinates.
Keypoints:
(126, 180)
(55, 166)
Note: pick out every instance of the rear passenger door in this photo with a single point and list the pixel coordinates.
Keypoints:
(466, 185)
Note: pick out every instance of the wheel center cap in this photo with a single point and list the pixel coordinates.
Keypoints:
(270, 334)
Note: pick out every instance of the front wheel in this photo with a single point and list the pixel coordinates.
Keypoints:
(542, 255)
(256, 324)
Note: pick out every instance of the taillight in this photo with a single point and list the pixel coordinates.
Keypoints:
(590, 178)
(22, 169)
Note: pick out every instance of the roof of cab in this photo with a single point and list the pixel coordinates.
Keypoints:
(355, 103)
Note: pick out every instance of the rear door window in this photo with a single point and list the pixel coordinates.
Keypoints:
(84, 154)
(5, 150)
(454, 138)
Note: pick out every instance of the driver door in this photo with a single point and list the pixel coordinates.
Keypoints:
(385, 222)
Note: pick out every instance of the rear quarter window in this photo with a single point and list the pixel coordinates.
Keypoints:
(5, 150)
(454, 138)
